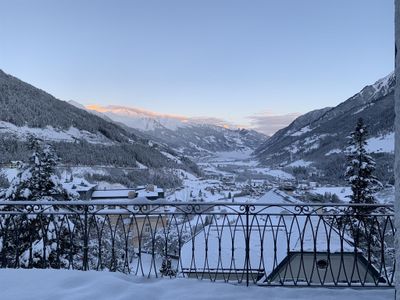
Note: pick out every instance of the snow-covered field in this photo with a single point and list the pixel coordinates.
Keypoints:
(75, 285)
(239, 158)
(52, 134)
(381, 144)
(341, 191)
(385, 196)
(300, 163)
(279, 174)
(231, 156)
(242, 160)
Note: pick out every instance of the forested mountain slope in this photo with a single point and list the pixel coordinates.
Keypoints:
(320, 136)
(80, 138)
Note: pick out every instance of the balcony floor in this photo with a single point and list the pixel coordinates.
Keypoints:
(76, 285)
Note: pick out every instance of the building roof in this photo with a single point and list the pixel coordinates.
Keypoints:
(222, 245)
(114, 193)
(79, 185)
(127, 193)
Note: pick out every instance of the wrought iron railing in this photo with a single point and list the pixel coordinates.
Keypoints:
(268, 244)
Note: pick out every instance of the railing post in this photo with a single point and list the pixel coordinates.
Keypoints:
(85, 239)
(247, 247)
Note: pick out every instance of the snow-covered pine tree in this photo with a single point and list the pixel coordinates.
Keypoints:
(36, 240)
(167, 269)
(36, 179)
(359, 172)
(364, 184)
(108, 244)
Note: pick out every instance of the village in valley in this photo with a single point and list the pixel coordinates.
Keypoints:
(227, 177)
(144, 215)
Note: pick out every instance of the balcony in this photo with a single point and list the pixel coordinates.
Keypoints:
(275, 244)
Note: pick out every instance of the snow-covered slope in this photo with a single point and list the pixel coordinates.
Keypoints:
(79, 137)
(193, 137)
(322, 134)
(49, 133)
(139, 119)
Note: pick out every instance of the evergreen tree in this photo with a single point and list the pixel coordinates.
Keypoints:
(36, 179)
(108, 247)
(47, 240)
(361, 166)
(166, 268)
(36, 240)
(3, 181)
(359, 173)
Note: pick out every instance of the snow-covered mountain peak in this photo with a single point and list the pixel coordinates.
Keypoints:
(381, 87)
(384, 84)
(148, 120)
(191, 136)
(139, 118)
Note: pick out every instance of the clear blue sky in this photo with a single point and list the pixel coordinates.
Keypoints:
(228, 59)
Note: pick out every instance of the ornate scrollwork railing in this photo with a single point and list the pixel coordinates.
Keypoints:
(269, 244)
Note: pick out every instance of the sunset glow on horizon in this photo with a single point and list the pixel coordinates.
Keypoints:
(223, 60)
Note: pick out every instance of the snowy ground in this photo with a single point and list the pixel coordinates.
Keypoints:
(385, 196)
(341, 191)
(241, 161)
(381, 144)
(278, 174)
(52, 134)
(232, 156)
(76, 285)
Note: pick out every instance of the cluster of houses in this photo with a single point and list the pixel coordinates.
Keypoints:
(119, 205)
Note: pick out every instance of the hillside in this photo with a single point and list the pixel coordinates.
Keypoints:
(320, 137)
(196, 140)
(79, 137)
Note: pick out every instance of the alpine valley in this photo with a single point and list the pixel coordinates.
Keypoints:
(189, 136)
(114, 137)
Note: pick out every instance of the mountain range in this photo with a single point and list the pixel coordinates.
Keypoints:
(79, 137)
(188, 136)
(121, 136)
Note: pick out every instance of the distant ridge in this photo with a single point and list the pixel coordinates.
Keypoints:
(191, 137)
